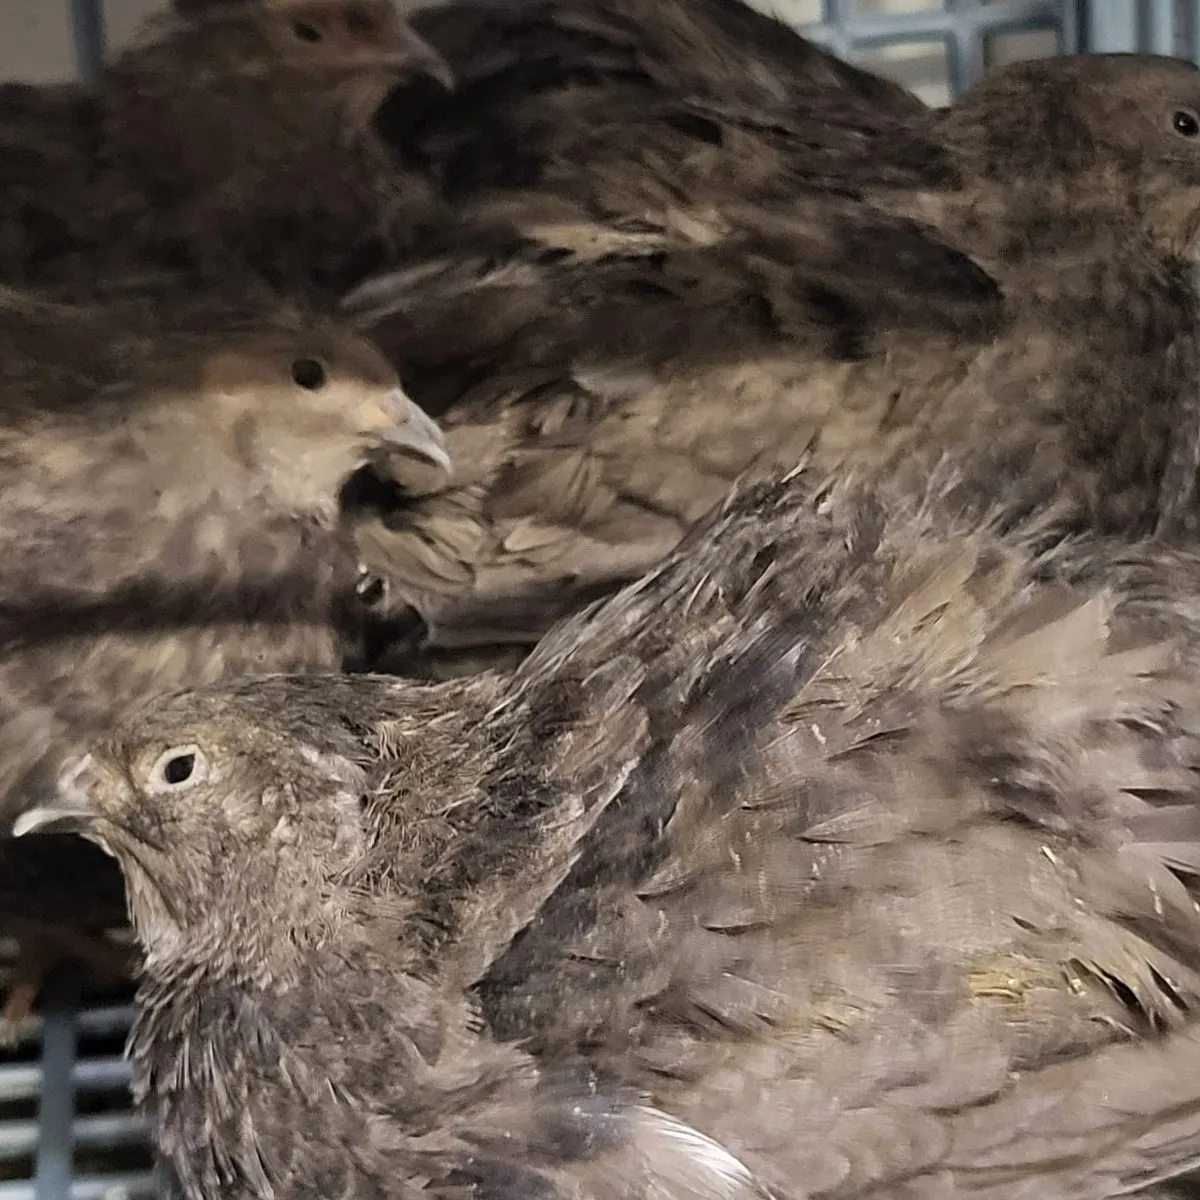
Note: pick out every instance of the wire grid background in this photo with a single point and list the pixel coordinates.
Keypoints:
(66, 1125)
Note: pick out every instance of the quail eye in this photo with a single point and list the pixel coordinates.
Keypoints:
(1185, 123)
(308, 373)
(178, 767)
(306, 31)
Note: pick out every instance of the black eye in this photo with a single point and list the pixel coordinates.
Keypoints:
(178, 769)
(1185, 122)
(306, 31)
(308, 373)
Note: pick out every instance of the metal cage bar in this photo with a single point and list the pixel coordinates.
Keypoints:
(88, 33)
(962, 27)
(1152, 26)
(56, 1140)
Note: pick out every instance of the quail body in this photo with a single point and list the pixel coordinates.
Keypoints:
(227, 141)
(849, 853)
(1016, 300)
(170, 516)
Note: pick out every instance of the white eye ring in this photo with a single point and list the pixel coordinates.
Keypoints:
(178, 768)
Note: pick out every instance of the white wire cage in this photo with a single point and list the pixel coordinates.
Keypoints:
(67, 1128)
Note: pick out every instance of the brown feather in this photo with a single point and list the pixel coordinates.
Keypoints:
(228, 140)
(170, 515)
(606, 377)
(826, 861)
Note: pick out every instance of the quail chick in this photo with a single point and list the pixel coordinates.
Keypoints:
(230, 140)
(170, 515)
(1035, 322)
(849, 853)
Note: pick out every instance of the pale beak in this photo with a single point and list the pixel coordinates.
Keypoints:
(69, 806)
(413, 431)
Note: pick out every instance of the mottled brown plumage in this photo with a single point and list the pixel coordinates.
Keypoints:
(1035, 320)
(230, 140)
(169, 512)
(848, 854)
(628, 107)
(597, 129)
(225, 141)
(171, 501)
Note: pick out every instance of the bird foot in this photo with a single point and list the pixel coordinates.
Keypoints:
(42, 948)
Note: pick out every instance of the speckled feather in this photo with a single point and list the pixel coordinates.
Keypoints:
(620, 108)
(170, 516)
(846, 854)
(606, 381)
(171, 506)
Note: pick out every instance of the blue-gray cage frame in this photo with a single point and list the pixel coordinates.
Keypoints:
(63, 1074)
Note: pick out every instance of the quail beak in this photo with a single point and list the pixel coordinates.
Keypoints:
(411, 430)
(68, 809)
